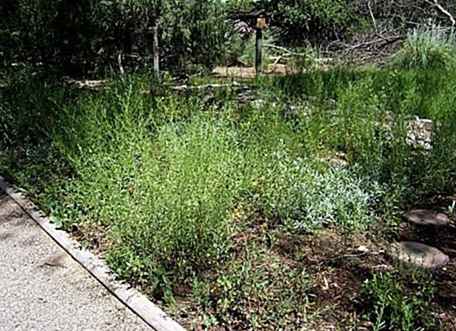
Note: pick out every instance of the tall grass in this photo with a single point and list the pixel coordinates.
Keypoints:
(427, 47)
(167, 191)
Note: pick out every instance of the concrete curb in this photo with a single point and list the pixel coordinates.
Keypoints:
(139, 304)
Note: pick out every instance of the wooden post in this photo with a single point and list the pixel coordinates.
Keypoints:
(261, 24)
(259, 51)
(156, 50)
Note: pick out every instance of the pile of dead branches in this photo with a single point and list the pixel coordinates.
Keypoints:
(387, 14)
(390, 21)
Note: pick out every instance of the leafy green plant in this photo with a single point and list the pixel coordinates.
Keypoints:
(93, 36)
(313, 19)
(399, 302)
(165, 197)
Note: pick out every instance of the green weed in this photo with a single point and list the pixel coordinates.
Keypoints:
(400, 302)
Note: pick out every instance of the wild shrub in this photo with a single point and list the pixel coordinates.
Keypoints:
(180, 194)
(88, 37)
(164, 192)
(370, 126)
(316, 20)
(29, 104)
(436, 169)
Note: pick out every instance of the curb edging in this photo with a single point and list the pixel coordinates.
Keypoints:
(138, 303)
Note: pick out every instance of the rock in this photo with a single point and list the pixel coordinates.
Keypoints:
(420, 133)
(338, 163)
(258, 103)
(427, 217)
(362, 249)
(386, 124)
(418, 254)
(339, 160)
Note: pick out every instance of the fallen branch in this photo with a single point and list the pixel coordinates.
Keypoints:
(277, 60)
(87, 84)
(381, 41)
(207, 86)
(119, 61)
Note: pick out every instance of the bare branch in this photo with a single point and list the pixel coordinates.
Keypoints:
(374, 22)
(443, 10)
(285, 50)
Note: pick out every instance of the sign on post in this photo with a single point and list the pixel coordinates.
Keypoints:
(261, 24)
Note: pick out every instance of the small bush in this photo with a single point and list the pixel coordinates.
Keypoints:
(307, 198)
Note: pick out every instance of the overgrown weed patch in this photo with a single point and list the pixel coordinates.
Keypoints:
(196, 198)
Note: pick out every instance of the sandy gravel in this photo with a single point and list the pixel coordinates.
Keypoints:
(42, 288)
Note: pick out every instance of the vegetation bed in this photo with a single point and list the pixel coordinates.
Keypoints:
(271, 213)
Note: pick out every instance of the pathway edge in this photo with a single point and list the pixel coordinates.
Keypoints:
(138, 303)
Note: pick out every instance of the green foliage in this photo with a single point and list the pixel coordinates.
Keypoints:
(428, 47)
(309, 20)
(372, 135)
(181, 222)
(369, 118)
(400, 302)
(22, 94)
(85, 37)
(165, 192)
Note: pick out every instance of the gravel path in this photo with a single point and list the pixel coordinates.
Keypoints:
(42, 288)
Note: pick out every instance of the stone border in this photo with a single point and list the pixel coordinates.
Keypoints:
(138, 303)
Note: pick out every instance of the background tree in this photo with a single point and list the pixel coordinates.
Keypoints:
(88, 35)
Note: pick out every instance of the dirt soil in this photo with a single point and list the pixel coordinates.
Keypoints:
(339, 266)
